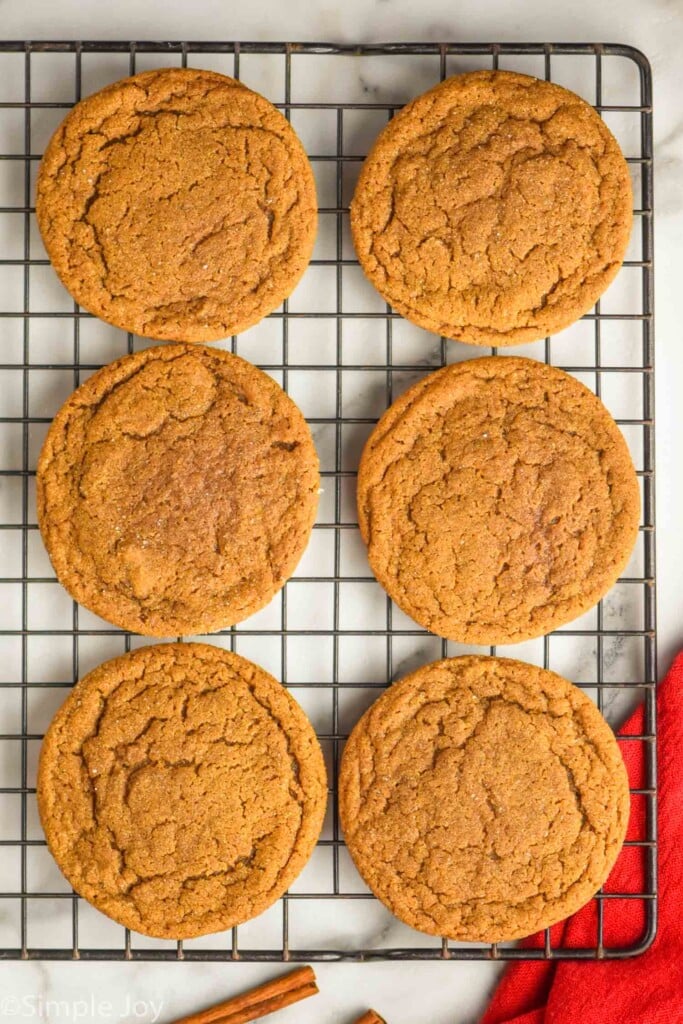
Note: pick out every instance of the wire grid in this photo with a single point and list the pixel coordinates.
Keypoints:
(335, 907)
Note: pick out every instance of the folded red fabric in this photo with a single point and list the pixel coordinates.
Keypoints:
(644, 990)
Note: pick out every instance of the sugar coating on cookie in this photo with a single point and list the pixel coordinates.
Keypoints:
(177, 204)
(181, 789)
(483, 799)
(177, 490)
(498, 500)
(494, 209)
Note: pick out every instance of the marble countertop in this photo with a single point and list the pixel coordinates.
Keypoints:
(406, 993)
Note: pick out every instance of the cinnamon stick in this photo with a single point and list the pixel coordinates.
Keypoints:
(370, 1017)
(257, 1002)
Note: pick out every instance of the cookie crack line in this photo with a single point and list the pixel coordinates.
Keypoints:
(486, 707)
(181, 789)
(189, 252)
(493, 209)
(483, 798)
(541, 246)
(177, 204)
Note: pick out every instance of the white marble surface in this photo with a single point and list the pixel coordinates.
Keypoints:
(452, 993)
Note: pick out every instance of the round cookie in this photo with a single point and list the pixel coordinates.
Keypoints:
(181, 789)
(177, 490)
(177, 204)
(498, 500)
(483, 798)
(494, 209)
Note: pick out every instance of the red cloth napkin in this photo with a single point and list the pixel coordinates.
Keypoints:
(644, 990)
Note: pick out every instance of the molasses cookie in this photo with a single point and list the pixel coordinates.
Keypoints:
(181, 789)
(177, 489)
(494, 209)
(177, 204)
(483, 799)
(498, 500)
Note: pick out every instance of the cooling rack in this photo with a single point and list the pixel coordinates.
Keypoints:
(332, 636)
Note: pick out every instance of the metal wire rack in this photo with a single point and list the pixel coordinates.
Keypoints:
(332, 636)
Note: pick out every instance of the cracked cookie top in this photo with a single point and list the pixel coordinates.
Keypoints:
(177, 204)
(483, 798)
(181, 789)
(177, 490)
(494, 209)
(498, 500)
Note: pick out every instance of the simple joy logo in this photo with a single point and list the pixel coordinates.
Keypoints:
(87, 1008)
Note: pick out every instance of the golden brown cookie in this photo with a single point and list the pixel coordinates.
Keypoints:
(177, 204)
(177, 489)
(181, 789)
(498, 500)
(483, 798)
(494, 209)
